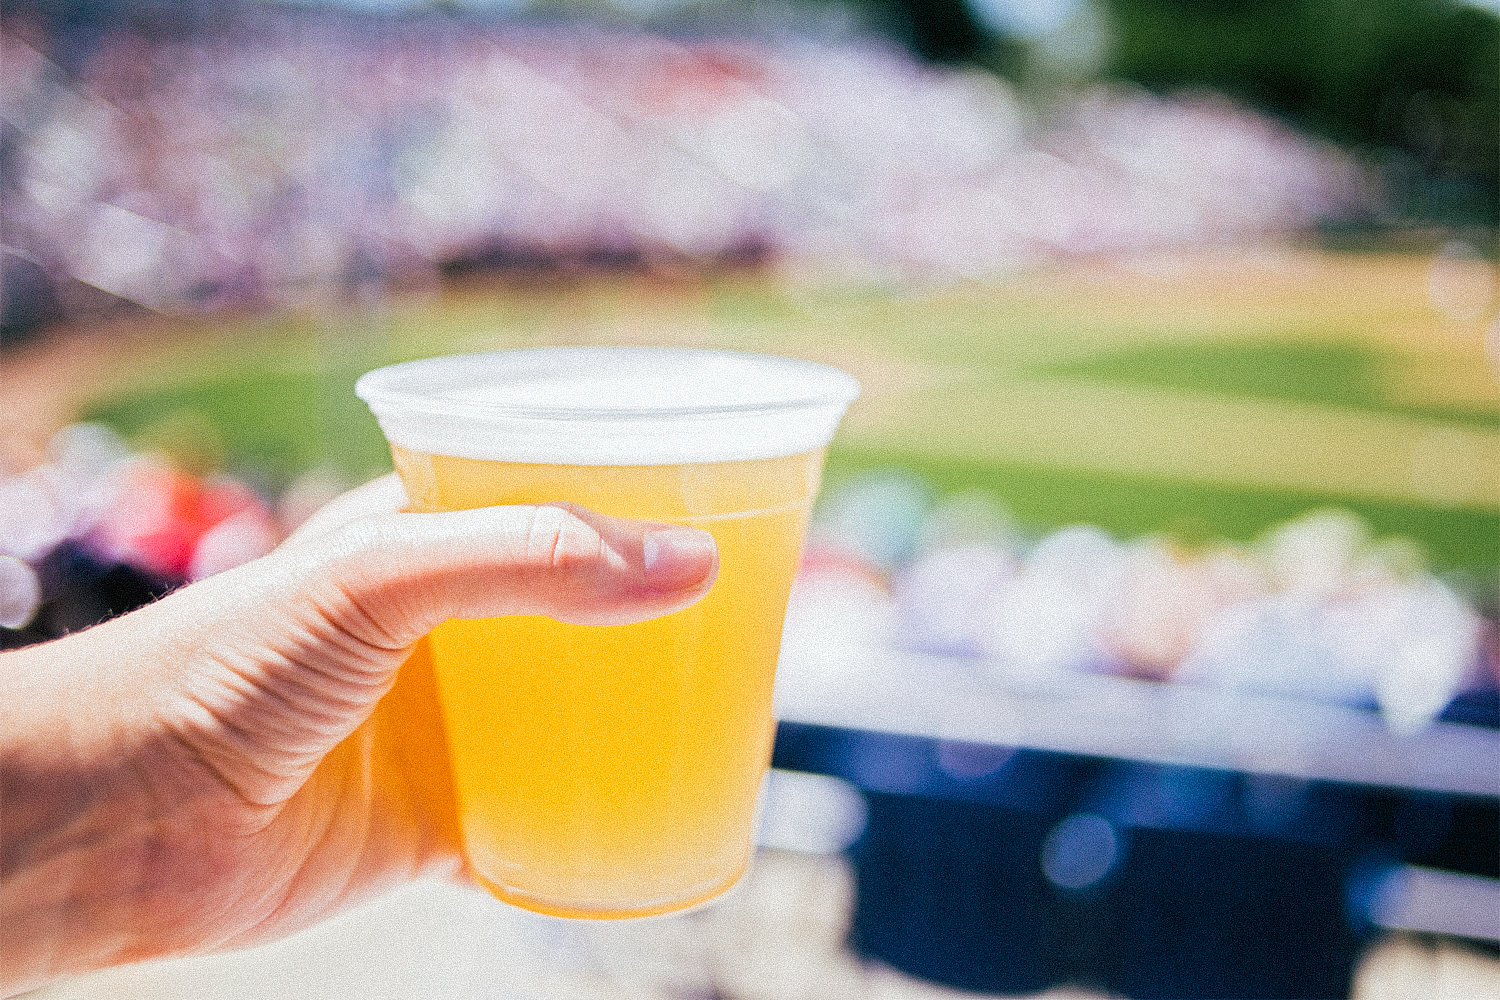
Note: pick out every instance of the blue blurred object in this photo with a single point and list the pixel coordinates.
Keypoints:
(1013, 870)
(1081, 851)
(1479, 707)
(950, 891)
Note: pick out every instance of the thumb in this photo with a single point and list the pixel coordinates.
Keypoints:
(388, 579)
(286, 656)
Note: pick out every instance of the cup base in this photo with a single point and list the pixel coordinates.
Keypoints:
(582, 910)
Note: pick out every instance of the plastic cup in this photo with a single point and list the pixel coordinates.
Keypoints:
(612, 771)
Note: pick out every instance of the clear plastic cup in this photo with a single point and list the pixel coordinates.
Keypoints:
(612, 771)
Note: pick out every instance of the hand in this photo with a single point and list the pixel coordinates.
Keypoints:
(206, 772)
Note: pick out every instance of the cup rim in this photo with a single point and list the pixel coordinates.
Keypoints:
(377, 390)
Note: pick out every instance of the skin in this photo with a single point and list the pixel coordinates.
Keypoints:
(201, 774)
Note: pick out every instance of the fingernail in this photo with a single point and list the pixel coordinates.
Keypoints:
(675, 558)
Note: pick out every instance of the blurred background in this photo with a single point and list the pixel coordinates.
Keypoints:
(1145, 644)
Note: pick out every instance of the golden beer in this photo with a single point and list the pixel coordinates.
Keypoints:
(610, 771)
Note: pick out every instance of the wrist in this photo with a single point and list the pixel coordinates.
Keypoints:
(76, 816)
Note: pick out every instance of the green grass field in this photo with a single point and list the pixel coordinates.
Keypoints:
(1208, 398)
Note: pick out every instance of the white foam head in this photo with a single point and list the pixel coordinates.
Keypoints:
(609, 405)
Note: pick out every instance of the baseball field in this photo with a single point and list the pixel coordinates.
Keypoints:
(1204, 396)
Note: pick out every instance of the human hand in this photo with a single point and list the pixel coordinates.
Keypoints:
(206, 772)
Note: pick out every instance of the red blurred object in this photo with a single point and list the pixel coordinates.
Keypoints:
(160, 513)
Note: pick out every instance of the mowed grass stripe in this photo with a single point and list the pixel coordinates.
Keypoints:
(1179, 435)
(1340, 373)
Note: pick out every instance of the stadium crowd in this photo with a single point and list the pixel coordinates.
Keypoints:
(304, 152)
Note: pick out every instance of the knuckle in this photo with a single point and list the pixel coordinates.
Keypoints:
(560, 541)
(357, 565)
(356, 553)
(351, 543)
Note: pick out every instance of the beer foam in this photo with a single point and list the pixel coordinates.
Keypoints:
(609, 405)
